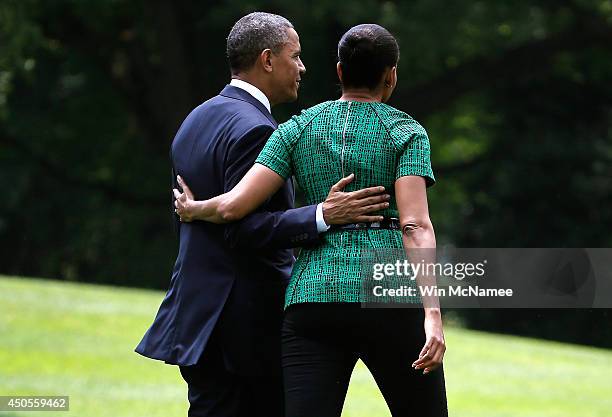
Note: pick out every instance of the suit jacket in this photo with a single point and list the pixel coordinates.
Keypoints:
(229, 279)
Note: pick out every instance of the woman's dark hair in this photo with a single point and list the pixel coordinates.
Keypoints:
(364, 52)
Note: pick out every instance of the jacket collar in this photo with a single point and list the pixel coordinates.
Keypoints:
(239, 94)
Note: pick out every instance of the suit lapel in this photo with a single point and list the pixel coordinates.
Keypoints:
(239, 94)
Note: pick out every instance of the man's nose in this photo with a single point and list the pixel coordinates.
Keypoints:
(301, 67)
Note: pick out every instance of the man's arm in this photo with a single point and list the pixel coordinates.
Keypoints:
(338, 208)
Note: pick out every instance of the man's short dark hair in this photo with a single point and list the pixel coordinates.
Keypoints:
(251, 35)
(364, 52)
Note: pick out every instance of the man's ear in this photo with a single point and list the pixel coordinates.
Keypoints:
(265, 58)
(339, 71)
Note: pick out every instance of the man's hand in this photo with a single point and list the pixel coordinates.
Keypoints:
(353, 207)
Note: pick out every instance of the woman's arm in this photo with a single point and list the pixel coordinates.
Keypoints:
(420, 243)
(258, 184)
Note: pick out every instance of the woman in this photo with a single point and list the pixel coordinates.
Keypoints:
(325, 330)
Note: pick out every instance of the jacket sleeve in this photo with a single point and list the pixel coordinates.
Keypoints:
(263, 228)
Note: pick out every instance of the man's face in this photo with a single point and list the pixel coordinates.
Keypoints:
(288, 69)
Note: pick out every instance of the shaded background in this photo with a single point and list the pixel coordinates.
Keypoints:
(516, 97)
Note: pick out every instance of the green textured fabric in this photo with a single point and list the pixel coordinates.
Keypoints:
(377, 143)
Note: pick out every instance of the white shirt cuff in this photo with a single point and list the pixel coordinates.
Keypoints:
(321, 225)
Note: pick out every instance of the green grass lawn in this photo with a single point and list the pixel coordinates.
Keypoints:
(72, 339)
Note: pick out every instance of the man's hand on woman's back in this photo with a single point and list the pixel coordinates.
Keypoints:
(356, 206)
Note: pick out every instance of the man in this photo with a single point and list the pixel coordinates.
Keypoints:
(220, 320)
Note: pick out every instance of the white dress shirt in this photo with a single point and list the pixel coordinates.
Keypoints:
(252, 90)
(261, 97)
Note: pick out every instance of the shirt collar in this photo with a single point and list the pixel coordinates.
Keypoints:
(252, 90)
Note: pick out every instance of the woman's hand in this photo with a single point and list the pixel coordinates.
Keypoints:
(184, 203)
(433, 352)
(258, 184)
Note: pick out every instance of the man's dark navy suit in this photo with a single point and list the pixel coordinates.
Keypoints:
(228, 280)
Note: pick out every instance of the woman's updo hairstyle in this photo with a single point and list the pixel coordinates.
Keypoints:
(364, 52)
